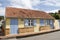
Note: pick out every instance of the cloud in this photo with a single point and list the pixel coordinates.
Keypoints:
(24, 3)
(51, 2)
(35, 2)
(0, 4)
(30, 4)
(52, 11)
(2, 11)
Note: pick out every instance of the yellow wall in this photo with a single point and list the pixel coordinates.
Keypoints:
(7, 31)
(7, 23)
(56, 24)
(20, 23)
(36, 29)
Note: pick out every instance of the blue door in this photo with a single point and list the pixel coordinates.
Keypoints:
(13, 26)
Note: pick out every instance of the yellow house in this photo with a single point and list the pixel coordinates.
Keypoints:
(20, 20)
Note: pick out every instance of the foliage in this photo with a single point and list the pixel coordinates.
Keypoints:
(56, 15)
(1, 17)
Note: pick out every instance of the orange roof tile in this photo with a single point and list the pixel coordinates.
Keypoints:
(26, 13)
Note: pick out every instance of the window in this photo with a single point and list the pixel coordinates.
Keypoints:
(50, 22)
(42, 22)
(34, 22)
(29, 22)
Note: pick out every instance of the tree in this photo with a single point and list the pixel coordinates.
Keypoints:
(55, 15)
(59, 11)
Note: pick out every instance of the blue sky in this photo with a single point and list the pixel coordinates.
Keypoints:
(43, 5)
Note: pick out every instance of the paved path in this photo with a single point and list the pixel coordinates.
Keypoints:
(48, 36)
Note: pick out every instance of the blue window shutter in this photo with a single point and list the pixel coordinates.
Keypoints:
(34, 22)
(42, 22)
(26, 22)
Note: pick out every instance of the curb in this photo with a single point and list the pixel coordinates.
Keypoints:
(29, 34)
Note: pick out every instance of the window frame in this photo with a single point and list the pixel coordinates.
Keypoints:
(30, 21)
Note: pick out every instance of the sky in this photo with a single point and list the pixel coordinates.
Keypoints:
(41, 5)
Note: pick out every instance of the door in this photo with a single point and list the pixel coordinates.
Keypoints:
(13, 26)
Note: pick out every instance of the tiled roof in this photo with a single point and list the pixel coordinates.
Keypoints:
(26, 13)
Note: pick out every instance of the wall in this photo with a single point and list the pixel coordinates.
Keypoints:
(56, 24)
(22, 28)
(26, 30)
(36, 28)
(7, 31)
(7, 23)
(20, 23)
